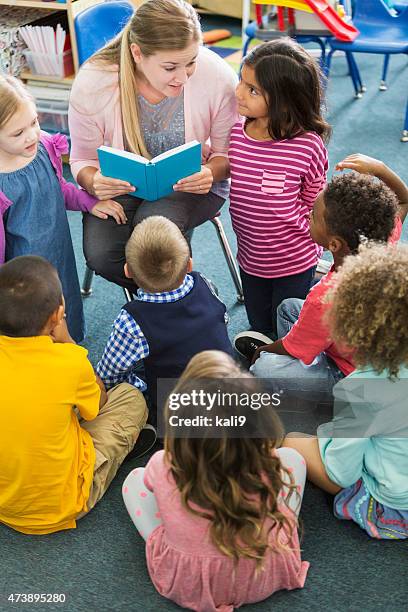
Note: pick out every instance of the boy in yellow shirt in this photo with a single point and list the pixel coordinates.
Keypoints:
(54, 466)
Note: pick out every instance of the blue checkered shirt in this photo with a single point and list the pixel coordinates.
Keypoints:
(127, 345)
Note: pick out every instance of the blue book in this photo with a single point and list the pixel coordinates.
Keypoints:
(152, 178)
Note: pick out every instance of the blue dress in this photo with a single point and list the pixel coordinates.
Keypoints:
(36, 223)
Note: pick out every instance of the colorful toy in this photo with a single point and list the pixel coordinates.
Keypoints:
(212, 36)
(315, 17)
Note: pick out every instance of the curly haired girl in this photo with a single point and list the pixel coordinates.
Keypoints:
(361, 456)
(218, 512)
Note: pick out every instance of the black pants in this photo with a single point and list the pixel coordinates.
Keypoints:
(104, 240)
(263, 296)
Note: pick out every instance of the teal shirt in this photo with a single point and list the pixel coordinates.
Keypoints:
(368, 436)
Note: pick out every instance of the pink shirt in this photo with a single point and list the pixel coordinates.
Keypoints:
(95, 113)
(188, 569)
(273, 188)
(310, 334)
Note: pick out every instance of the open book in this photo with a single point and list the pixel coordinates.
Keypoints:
(152, 178)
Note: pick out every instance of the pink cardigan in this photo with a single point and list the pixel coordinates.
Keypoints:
(56, 145)
(95, 113)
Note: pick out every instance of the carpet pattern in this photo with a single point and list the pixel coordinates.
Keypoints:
(101, 565)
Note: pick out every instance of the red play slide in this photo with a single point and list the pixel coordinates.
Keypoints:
(342, 31)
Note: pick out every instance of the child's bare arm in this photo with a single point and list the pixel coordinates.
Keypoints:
(61, 334)
(104, 395)
(275, 347)
(370, 165)
(308, 447)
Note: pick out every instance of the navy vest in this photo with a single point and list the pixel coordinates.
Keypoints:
(176, 331)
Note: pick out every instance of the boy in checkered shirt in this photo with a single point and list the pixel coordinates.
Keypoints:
(174, 315)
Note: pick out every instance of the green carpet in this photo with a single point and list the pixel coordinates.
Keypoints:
(100, 566)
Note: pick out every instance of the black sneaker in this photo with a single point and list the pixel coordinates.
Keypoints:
(246, 343)
(145, 442)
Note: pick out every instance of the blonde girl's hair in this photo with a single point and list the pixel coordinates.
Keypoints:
(12, 93)
(157, 25)
(369, 305)
(234, 483)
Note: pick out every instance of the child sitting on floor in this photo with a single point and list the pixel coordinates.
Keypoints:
(219, 512)
(362, 455)
(54, 467)
(352, 208)
(174, 316)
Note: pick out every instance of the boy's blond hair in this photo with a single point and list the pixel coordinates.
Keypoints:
(157, 255)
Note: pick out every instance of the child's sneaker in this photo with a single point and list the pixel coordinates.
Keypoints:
(246, 343)
(145, 442)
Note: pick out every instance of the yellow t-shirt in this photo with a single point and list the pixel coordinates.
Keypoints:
(46, 458)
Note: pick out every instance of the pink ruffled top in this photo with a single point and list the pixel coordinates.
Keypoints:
(187, 568)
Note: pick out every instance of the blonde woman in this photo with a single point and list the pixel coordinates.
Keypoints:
(154, 87)
(219, 512)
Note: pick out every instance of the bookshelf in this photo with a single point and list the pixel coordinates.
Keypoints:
(71, 8)
(26, 75)
(52, 92)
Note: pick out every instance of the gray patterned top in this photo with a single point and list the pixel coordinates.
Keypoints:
(163, 128)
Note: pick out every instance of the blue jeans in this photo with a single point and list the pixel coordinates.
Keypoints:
(288, 374)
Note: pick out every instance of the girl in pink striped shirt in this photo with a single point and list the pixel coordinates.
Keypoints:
(278, 167)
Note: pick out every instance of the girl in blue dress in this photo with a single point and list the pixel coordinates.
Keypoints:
(34, 196)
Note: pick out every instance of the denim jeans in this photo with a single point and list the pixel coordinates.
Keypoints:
(288, 374)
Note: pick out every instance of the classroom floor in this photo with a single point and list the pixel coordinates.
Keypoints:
(100, 566)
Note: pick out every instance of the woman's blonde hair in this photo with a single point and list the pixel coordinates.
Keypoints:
(157, 25)
(235, 482)
(12, 93)
(369, 306)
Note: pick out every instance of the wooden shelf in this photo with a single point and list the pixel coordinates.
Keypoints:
(71, 8)
(55, 6)
(26, 74)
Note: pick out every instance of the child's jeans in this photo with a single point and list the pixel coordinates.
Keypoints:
(114, 433)
(142, 506)
(263, 296)
(314, 382)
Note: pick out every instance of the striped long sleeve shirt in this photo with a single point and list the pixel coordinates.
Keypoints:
(273, 188)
